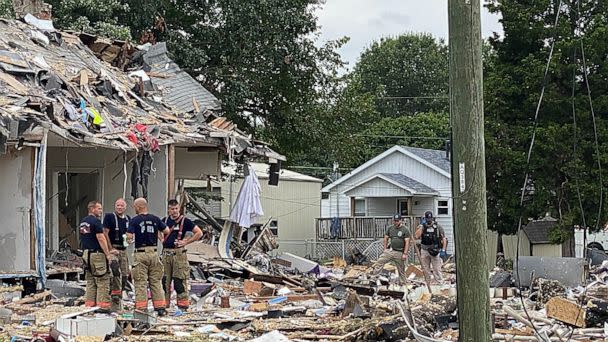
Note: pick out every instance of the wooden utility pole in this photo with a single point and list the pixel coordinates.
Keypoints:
(469, 170)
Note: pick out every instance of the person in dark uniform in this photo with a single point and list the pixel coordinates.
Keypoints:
(175, 260)
(432, 246)
(115, 227)
(96, 256)
(147, 268)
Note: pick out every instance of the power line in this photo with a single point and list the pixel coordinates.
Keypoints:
(527, 172)
(399, 137)
(413, 97)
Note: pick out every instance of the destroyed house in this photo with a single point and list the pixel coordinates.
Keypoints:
(85, 119)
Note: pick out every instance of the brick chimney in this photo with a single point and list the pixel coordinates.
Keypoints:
(37, 8)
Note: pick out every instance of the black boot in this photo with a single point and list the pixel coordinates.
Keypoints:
(161, 312)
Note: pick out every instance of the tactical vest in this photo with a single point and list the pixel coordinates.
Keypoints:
(430, 235)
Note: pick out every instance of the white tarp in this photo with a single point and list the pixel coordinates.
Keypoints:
(248, 206)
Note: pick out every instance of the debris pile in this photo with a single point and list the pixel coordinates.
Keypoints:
(289, 298)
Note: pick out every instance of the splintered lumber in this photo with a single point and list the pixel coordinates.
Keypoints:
(32, 299)
(566, 311)
(291, 298)
(352, 301)
(514, 332)
(252, 287)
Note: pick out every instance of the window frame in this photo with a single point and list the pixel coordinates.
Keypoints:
(447, 207)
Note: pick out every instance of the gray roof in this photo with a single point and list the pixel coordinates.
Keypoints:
(178, 87)
(435, 157)
(409, 183)
(538, 231)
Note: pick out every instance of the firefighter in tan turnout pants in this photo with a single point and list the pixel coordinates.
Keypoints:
(147, 269)
(114, 228)
(175, 260)
(96, 257)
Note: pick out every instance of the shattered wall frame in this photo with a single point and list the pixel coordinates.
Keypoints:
(112, 185)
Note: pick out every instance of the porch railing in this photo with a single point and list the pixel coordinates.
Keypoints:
(363, 227)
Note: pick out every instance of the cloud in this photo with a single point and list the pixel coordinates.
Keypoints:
(365, 21)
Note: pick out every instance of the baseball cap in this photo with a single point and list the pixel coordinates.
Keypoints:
(428, 215)
(397, 217)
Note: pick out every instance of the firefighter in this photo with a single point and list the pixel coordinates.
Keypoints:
(96, 257)
(115, 227)
(175, 259)
(147, 268)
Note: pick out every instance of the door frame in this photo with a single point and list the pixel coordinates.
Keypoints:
(409, 205)
(53, 231)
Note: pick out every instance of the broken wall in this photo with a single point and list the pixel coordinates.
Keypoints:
(110, 164)
(196, 165)
(16, 175)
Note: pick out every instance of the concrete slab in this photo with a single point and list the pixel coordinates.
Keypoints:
(301, 264)
(570, 272)
(86, 326)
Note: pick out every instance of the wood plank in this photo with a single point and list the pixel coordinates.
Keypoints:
(566, 311)
(17, 86)
(291, 298)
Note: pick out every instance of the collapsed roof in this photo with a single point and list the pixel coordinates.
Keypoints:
(77, 87)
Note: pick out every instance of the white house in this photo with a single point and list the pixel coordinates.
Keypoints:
(404, 180)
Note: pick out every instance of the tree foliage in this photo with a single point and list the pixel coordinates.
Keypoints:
(564, 159)
(408, 74)
(259, 58)
(368, 116)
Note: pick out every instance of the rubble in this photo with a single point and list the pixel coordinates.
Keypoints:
(240, 301)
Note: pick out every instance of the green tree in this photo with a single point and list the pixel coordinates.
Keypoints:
(92, 16)
(369, 107)
(259, 58)
(407, 74)
(6, 9)
(513, 81)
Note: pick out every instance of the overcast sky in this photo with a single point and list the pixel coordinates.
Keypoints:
(365, 21)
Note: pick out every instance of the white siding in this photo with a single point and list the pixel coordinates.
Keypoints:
(546, 249)
(338, 204)
(377, 187)
(294, 204)
(195, 165)
(399, 163)
(325, 208)
(16, 175)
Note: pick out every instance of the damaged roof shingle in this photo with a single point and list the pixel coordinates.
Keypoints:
(62, 84)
